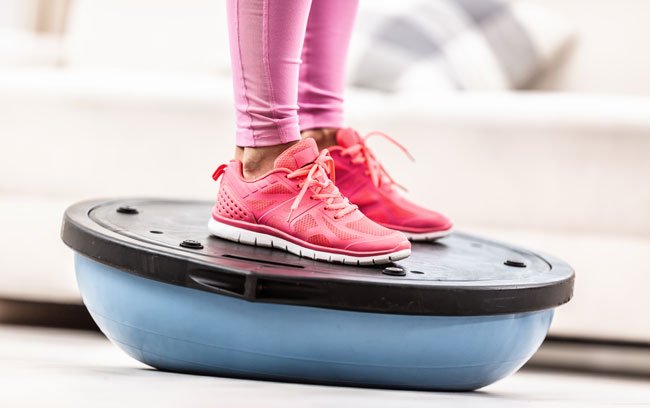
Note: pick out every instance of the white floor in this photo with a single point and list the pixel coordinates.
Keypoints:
(63, 368)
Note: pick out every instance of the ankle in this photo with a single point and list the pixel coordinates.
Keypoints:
(324, 137)
(257, 161)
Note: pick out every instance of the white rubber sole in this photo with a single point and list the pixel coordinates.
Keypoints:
(427, 236)
(244, 236)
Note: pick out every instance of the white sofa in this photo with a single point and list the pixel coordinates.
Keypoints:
(564, 168)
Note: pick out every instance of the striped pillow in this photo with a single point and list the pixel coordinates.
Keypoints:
(453, 44)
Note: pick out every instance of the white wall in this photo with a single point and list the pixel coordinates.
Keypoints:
(17, 14)
(612, 52)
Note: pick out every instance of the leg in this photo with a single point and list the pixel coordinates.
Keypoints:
(296, 207)
(266, 39)
(360, 176)
(322, 73)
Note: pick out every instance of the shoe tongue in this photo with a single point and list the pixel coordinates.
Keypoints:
(298, 155)
(347, 137)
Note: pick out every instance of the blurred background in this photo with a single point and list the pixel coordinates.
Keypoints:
(529, 121)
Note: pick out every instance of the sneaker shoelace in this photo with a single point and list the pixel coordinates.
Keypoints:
(360, 153)
(321, 169)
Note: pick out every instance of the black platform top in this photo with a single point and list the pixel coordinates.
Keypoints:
(460, 275)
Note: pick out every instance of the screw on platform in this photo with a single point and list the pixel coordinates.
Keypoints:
(516, 264)
(191, 244)
(126, 210)
(394, 271)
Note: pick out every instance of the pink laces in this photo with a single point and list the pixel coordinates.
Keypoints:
(362, 154)
(313, 173)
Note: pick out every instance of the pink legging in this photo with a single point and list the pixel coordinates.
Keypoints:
(288, 66)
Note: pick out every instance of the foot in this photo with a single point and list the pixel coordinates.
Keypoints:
(296, 207)
(361, 178)
(257, 161)
(324, 137)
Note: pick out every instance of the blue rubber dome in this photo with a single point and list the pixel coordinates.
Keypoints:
(176, 314)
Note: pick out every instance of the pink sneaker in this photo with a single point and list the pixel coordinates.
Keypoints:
(362, 179)
(296, 207)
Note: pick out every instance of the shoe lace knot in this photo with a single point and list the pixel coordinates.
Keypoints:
(319, 176)
(360, 153)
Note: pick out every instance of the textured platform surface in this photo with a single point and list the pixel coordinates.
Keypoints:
(459, 275)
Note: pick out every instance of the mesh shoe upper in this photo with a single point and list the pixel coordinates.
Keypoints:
(298, 201)
(361, 178)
